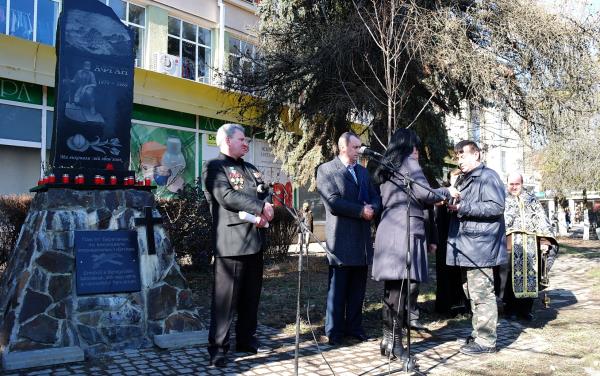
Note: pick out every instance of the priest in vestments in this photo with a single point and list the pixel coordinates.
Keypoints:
(532, 248)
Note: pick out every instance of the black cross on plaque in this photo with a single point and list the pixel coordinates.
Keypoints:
(149, 221)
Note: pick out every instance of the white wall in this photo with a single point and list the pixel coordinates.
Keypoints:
(240, 19)
(20, 169)
(206, 9)
(503, 150)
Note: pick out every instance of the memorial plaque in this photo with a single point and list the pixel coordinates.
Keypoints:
(107, 262)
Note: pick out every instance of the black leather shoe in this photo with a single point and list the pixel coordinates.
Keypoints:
(253, 348)
(529, 317)
(474, 348)
(218, 360)
(334, 341)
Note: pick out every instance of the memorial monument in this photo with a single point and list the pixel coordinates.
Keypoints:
(93, 270)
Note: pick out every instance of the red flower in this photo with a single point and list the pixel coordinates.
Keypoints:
(109, 167)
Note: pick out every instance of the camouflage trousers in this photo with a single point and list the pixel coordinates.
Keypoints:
(478, 284)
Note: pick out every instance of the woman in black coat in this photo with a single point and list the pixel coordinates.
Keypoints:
(389, 263)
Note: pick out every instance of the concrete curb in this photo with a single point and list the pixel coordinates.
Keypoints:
(41, 358)
(183, 339)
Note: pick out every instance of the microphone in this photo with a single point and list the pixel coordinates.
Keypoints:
(250, 218)
(364, 150)
(264, 187)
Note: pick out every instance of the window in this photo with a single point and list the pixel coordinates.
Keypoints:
(47, 19)
(30, 19)
(3, 17)
(20, 19)
(133, 16)
(192, 44)
(29, 120)
(36, 20)
(239, 51)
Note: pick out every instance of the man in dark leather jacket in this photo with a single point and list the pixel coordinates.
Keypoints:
(230, 186)
(477, 242)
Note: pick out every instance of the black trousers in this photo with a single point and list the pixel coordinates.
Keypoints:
(394, 297)
(345, 297)
(236, 288)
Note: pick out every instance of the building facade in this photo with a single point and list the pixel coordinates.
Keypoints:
(499, 133)
(180, 46)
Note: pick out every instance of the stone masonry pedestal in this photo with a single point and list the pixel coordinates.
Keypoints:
(39, 305)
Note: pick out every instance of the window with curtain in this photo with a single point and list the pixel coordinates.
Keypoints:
(192, 44)
(20, 19)
(239, 53)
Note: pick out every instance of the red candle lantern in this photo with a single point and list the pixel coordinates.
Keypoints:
(113, 180)
(147, 182)
(51, 179)
(65, 179)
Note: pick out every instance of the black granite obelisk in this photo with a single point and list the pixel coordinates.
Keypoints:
(94, 91)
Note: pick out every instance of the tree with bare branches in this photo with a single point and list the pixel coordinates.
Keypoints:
(406, 63)
(571, 162)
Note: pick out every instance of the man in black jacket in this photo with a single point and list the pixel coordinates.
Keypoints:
(231, 187)
(477, 243)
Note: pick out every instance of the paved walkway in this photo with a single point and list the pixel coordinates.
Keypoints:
(436, 354)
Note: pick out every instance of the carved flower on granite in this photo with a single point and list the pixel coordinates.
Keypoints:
(111, 146)
(78, 143)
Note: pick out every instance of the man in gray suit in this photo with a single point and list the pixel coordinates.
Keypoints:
(351, 202)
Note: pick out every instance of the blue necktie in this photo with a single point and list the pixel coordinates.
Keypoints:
(353, 173)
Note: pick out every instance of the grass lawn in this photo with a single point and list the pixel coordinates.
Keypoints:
(279, 295)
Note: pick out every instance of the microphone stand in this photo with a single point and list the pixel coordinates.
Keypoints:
(407, 183)
(303, 245)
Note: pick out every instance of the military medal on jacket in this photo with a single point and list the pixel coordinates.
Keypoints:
(236, 179)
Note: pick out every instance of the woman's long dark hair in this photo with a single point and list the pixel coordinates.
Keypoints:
(401, 145)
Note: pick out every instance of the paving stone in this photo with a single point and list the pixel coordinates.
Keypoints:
(435, 356)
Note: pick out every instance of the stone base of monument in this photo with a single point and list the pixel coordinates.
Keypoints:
(81, 276)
